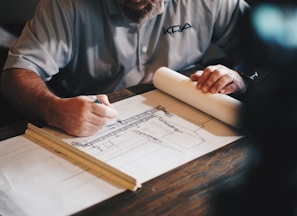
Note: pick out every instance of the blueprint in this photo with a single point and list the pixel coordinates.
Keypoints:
(154, 134)
(154, 130)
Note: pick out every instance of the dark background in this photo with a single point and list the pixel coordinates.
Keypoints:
(270, 188)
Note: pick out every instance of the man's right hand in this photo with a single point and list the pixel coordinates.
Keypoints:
(80, 116)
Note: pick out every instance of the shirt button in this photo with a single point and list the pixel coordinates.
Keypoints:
(144, 49)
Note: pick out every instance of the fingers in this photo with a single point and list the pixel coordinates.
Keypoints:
(99, 113)
(81, 116)
(103, 109)
(218, 79)
(103, 98)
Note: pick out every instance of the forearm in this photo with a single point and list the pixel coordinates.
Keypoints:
(27, 92)
(78, 116)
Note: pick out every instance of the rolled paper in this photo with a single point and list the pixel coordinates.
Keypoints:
(221, 106)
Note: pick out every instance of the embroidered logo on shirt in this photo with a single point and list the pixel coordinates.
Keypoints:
(176, 28)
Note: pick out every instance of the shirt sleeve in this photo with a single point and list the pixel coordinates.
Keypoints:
(45, 44)
(227, 33)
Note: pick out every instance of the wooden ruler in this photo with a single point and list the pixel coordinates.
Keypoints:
(100, 168)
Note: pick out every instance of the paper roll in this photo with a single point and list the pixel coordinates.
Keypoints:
(223, 107)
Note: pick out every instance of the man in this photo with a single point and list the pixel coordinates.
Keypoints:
(94, 47)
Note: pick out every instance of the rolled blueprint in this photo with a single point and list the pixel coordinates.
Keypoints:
(223, 107)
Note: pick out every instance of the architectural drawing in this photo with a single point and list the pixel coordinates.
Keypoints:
(154, 126)
(157, 133)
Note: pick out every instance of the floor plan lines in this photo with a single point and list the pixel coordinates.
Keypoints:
(153, 126)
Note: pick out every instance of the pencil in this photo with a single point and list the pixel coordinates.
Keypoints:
(96, 100)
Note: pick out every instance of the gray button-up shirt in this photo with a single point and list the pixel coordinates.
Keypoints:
(96, 50)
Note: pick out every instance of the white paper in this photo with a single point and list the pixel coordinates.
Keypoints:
(157, 133)
(153, 126)
(42, 183)
(220, 106)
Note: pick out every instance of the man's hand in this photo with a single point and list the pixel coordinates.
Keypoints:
(219, 79)
(80, 116)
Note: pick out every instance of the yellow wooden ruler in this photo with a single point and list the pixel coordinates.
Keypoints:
(100, 168)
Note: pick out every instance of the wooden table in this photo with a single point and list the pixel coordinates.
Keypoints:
(186, 190)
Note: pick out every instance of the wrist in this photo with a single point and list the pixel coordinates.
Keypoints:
(50, 107)
(249, 76)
